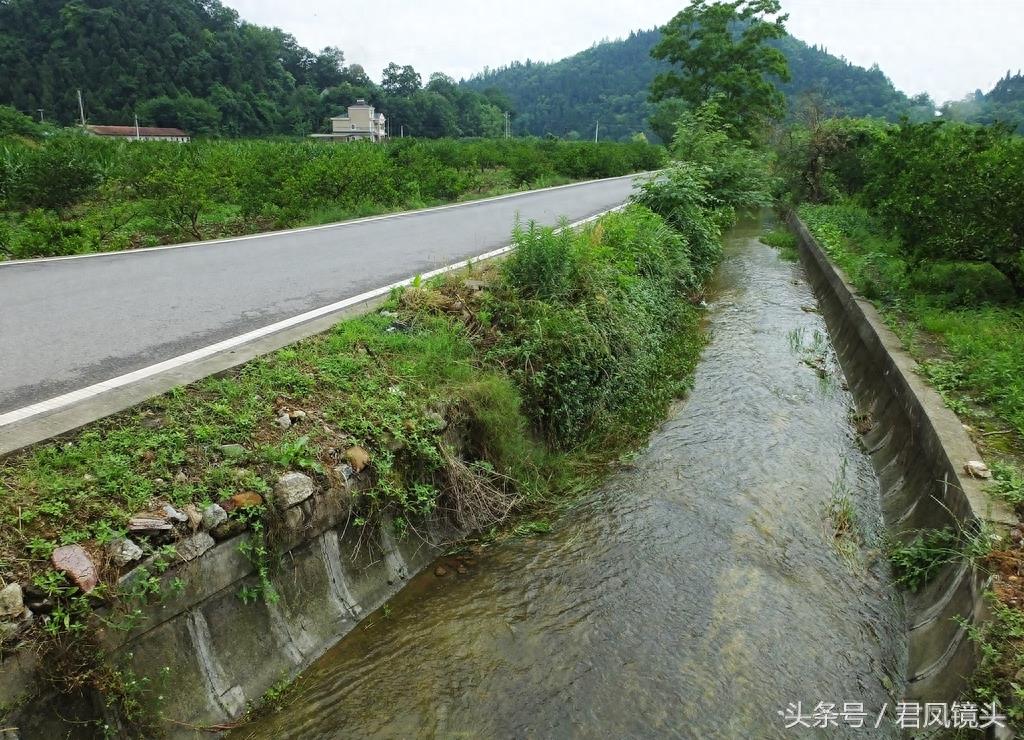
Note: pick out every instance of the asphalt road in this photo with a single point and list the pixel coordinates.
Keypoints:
(67, 324)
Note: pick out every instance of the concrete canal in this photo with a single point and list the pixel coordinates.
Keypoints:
(733, 568)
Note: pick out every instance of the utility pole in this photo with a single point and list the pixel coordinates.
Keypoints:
(402, 128)
(597, 130)
(508, 125)
(81, 108)
(137, 136)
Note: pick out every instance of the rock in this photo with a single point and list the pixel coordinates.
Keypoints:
(345, 472)
(12, 601)
(213, 516)
(75, 562)
(357, 457)
(462, 569)
(123, 551)
(294, 518)
(476, 284)
(159, 483)
(977, 469)
(297, 415)
(89, 478)
(148, 523)
(232, 451)
(181, 479)
(192, 547)
(284, 421)
(194, 517)
(242, 500)
(292, 489)
(440, 571)
(174, 515)
(228, 529)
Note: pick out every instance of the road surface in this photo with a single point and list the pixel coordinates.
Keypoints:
(70, 323)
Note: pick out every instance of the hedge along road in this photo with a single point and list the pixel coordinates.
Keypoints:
(71, 323)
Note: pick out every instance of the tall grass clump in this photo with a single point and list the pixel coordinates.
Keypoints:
(591, 325)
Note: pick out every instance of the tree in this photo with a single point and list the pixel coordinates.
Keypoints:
(443, 85)
(400, 80)
(721, 51)
(194, 115)
(666, 114)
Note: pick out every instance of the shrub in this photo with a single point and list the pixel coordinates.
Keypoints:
(955, 284)
(586, 321)
(953, 192)
(54, 175)
(151, 192)
(829, 159)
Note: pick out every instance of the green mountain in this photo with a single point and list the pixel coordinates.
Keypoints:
(196, 65)
(193, 55)
(608, 83)
(1004, 103)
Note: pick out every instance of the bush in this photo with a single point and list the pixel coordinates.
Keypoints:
(54, 175)
(151, 192)
(953, 192)
(586, 321)
(13, 123)
(829, 159)
(956, 284)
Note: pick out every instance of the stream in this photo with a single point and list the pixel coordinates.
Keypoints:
(697, 593)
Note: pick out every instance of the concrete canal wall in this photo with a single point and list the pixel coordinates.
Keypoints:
(208, 652)
(919, 449)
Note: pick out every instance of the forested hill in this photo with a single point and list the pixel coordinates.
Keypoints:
(196, 65)
(123, 53)
(609, 82)
(1004, 103)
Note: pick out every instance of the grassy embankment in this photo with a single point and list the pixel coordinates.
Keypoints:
(487, 401)
(73, 194)
(924, 222)
(482, 405)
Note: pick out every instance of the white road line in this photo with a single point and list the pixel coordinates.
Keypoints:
(303, 229)
(73, 397)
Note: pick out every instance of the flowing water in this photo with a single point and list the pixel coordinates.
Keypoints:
(696, 594)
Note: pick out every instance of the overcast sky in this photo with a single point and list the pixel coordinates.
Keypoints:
(947, 48)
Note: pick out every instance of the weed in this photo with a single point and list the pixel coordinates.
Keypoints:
(1009, 482)
(918, 561)
(525, 529)
(784, 241)
(257, 551)
(1000, 641)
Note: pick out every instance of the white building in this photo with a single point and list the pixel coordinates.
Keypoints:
(362, 122)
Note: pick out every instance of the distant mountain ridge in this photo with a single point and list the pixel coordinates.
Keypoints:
(1004, 103)
(608, 83)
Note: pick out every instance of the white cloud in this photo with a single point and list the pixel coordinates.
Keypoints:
(945, 47)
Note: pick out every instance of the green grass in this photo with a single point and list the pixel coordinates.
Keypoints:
(998, 678)
(978, 364)
(784, 241)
